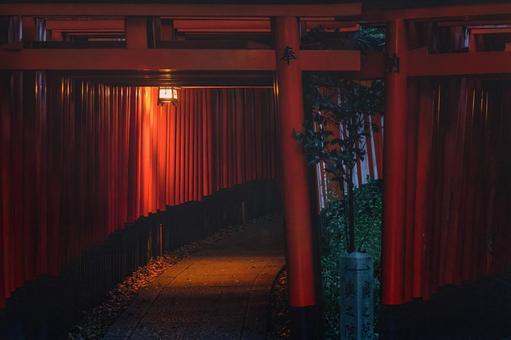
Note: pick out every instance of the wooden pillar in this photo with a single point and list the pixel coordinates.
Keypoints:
(167, 32)
(29, 33)
(472, 43)
(136, 32)
(395, 166)
(56, 35)
(295, 188)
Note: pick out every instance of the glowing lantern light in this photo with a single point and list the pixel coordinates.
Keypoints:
(167, 95)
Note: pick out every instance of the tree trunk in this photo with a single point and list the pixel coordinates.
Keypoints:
(351, 215)
(346, 219)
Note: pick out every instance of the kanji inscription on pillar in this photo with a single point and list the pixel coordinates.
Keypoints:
(357, 297)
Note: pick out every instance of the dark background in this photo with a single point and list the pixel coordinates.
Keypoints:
(369, 3)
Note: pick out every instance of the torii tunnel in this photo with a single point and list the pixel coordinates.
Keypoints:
(87, 148)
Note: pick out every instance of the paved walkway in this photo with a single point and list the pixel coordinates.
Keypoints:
(220, 292)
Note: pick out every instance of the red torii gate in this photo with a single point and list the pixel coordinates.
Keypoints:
(138, 57)
(413, 63)
(418, 63)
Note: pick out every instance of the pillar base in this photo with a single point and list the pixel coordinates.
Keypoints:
(305, 323)
(390, 322)
(403, 321)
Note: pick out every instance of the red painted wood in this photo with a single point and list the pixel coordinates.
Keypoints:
(489, 30)
(409, 204)
(139, 58)
(422, 189)
(29, 29)
(449, 64)
(294, 172)
(372, 66)
(136, 32)
(187, 10)
(222, 25)
(80, 160)
(464, 12)
(108, 25)
(395, 169)
(325, 60)
(461, 184)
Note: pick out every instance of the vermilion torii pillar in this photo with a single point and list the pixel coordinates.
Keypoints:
(297, 209)
(394, 170)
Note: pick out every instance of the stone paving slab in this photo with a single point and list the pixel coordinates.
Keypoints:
(220, 292)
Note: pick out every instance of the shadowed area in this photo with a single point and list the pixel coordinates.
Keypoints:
(220, 292)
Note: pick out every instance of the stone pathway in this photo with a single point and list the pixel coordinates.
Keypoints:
(220, 292)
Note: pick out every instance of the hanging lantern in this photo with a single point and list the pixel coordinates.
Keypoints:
(167, 95)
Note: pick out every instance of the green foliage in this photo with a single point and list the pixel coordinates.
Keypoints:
(336, 137)
(368, 223)
(346, 107)
(340, 105)
(368, 38)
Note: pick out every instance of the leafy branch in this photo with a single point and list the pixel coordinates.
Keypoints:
(338, 133)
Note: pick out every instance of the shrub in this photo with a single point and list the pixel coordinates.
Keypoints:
(368, 222)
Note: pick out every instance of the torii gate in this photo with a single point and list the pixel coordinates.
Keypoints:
(137, 56)
(413, 63)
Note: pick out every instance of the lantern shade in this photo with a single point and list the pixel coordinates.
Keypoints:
(167, 95)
